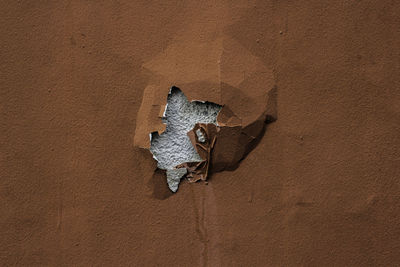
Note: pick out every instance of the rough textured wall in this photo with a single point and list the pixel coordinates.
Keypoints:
(321, 188)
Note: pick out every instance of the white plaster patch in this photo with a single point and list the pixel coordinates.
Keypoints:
(173, 146)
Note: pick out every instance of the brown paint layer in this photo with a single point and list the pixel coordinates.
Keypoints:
(320, 188)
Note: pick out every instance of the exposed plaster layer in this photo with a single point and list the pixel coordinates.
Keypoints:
(174, 177)
(173, 147)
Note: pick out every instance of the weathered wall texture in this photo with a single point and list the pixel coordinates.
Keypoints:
(321, 188)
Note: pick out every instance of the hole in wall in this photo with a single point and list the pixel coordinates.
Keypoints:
(174, 147)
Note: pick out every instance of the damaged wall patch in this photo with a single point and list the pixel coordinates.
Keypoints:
(173, 148)
(195, 138)
(222, 71)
